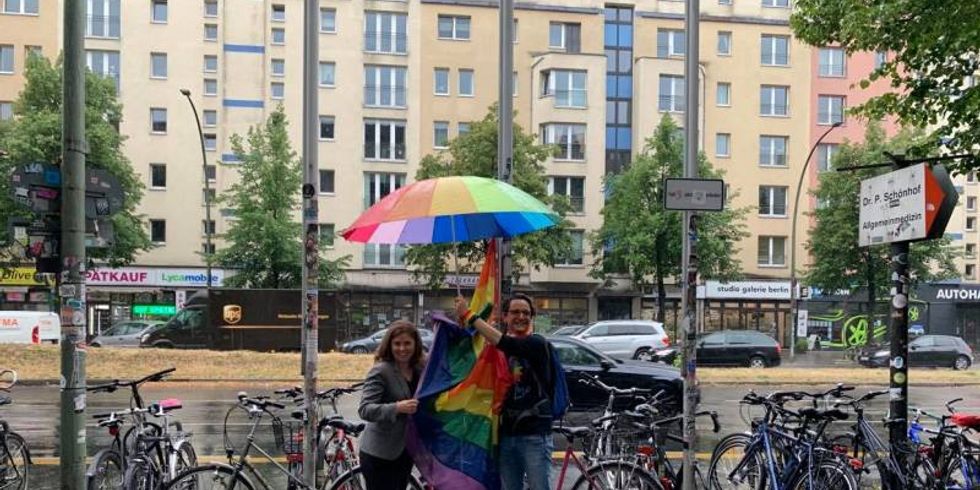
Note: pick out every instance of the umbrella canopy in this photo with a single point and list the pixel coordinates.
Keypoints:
(451, 209)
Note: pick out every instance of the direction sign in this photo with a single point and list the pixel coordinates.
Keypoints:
(694, 194)
(909, 204)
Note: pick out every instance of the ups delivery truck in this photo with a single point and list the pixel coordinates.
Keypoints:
(250, 319)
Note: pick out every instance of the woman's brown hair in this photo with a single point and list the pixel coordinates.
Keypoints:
(396, 328)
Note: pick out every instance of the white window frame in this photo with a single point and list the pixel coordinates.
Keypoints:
(970, 270)
(780, 4)
(773, 99)
(772, 155)
(277, 14)
(727, 138)
(771, 256)
(154, 56)
(825, 155)
(771, 191)
(397, 95)
(107, 15)
(462, 128)
(204, 118)
(332, 12)
(281, 62)
(332, 67)
(970, 220)
(211, 172)
(676, 48)
(435, 81)
(216, 34)
(970, 250)
(676, 100)
(437, 127)
(210, 142)
(210, 57)
(466, 91)
(455, 34)
(728, 94)
(724, 35)
(563, 37)
(320, 175)
(392, 142)
(7, 58)
(272, 36)
(150, 224)
(150, 184)
(22, 8)
(774, 40)
(106, 58)
(551, 134)
(206, 13)
(153, 10)
(567, 191)
(578, 237)
(825, 109)
(208, 82)
(832, 62)
(333, 235)
(375, 32)
(971, 203)
(551, 89)
(282, 89)
(323, 118)
(161, 110)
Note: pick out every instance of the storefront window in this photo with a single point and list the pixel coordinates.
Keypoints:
(554, 312)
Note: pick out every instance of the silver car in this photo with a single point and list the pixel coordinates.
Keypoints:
(125, 334)
(625, 339)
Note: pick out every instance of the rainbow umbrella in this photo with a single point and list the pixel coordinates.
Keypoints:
(451, 209)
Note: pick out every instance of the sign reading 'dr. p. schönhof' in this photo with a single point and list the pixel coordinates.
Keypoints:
(909, 204)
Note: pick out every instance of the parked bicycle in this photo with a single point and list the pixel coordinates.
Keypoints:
(15, 456)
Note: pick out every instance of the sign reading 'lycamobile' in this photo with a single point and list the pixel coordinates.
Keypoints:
(904, 205)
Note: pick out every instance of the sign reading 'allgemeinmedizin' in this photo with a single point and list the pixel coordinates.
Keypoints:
(898, 206)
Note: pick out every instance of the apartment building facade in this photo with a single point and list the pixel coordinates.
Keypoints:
(399, 79)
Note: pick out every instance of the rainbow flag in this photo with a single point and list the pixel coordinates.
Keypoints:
(453, 436)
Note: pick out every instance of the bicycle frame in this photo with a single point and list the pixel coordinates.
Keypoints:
(250, 444)
(569, 455)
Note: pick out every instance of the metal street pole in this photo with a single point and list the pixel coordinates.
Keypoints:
(72, 284)
(794, 293)
(311, 233)
(207, 186)
(689, 264)
(898, 374)
(505, 133)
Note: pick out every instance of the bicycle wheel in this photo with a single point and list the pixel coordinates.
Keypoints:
(211, 476)
(105, 472)
(728, 470)
(956, 477)
(354, 480)
(140, 475)
(617, 475)
(829, 474)
(13, 462)
(186, 457)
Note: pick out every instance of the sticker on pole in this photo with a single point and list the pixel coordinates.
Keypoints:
(906, 205)
(694, 194)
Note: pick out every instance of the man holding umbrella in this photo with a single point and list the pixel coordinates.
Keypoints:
(525, 425)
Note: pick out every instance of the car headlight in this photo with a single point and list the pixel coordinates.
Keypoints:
(144, 338)
(882, 354)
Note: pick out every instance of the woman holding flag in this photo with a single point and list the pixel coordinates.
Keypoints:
(387, 401)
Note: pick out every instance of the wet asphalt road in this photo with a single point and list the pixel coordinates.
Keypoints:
(34, 414)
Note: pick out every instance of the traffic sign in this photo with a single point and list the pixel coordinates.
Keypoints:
(694, 194)
(909, 204)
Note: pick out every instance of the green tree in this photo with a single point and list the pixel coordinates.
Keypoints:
(641, 238)
(837, 260)
(932, 48)
(264, 241)
(475, 153)
(34, 135)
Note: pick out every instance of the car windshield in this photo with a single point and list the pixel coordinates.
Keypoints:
(575, 355)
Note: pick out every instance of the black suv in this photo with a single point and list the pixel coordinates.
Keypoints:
(926, 351)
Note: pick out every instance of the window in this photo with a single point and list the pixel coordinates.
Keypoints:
(774, 100)
(724, 2)
(378, 185)
(830, 109)
(971, 270)
(971, 249)
(30, 50)
(326, 181)
(881, 57)
(462, 128)
(210, 32)
(385, 86)
(570, 139)
(328, 73)
(384, 139)
(832, 62)
(210, 87)
(466, 83)
(775, 50)
(565, 36)
(158, 230)
(103, 18)
(278, 12)
(971, 177)
(513, 33)
(326, 127)
(104, 64)
(772, 251)
(385, 32)
(724, 43)
(210, 8)
(440, 134)
(772, 201)
(454, 27)
(158, 65)
(971, 203)
(723, 94)
(210, 118)
(723, 145)
(6, 110)
(210, 63)
(568, 87)
(211, 172)
(441, 81)
(208, 195)
(825, 156)
(971, 223)
(775, 3)
(327, 234)
(208, 227)
(20, 6)
(328, 20)
(380, 255)
(572, 188)
(772, 151)
(278, 35)
(158, 11)
(158, 176)
(210, 141)
(671, 93)
(670, 42)
(158, 120)
(6, 59)
(278, 90)
(576, 254)
(278, 67)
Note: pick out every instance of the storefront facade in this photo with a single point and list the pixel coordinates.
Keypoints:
(22, 288)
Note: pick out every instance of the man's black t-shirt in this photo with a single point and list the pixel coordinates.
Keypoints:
(529, 363)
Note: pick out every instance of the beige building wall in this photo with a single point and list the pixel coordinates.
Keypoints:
(21, 31)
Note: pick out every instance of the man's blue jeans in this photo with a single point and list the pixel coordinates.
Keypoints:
(530, 455)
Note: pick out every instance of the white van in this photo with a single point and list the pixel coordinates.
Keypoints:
(29, 327)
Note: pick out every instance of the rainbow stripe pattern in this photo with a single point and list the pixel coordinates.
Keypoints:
(451, 209)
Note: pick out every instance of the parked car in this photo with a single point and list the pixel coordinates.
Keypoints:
(729, 348)
(627, 339)
(568, 330)
(926, 351)
(371, 342)
(125, 334)
(581, 359)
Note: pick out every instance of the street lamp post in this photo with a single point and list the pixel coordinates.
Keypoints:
(794, 293)
(207, 187)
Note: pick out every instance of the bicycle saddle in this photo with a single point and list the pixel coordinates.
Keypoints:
(833, 414)
(5, 400)
(968, 420)
(572, 432)
(349, 427)
(170, 404)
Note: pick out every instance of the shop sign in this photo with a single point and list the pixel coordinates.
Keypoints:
(958, 294)
(22, 276)
(771, 290)
(155, 310)
(155, 277)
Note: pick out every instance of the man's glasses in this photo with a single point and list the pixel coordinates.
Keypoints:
(519, 312)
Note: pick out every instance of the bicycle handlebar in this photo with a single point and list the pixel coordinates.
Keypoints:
(595, 381)
(260, 402)
(116, 384)
(949, 404)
